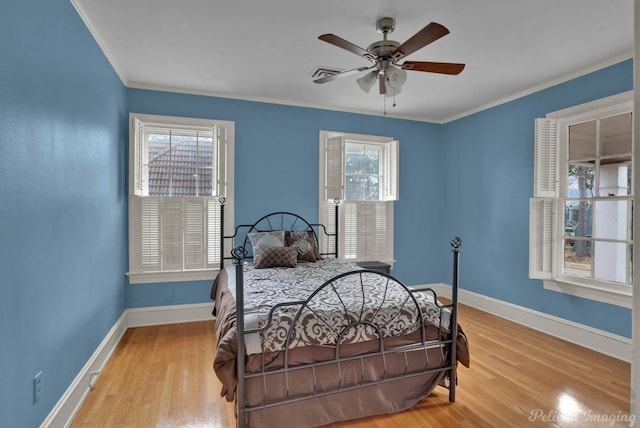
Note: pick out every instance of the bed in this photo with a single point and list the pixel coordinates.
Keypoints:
(305, 339)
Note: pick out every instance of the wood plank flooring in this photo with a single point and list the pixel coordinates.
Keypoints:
(162, 376)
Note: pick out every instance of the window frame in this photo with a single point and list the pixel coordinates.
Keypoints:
(550, 196)
(377, 226)
(138, 186)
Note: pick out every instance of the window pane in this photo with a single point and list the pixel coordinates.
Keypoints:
(184, 182)
(611, 261)
(354, 188)
(371, 188)
(611, 219)
(354, 159)
(615, 135)
(158, 148)
(615, 177)
(205, 187)
(205, 151)
(577, 258)
(183, 149)
(578, 219)
(582, 141)
(372, 161)
(159, 180)
(581, 180)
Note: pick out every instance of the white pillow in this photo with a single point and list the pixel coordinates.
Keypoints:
(272, 238)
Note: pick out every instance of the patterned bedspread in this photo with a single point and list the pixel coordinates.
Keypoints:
(355, 308)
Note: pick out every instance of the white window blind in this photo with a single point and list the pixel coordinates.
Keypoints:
(542, 205)
(334, 178)
(541, 217)
(546, 158)
(175, 233)
(179, 168)
(368, 229)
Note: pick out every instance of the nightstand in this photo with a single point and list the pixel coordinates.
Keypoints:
(379, 266)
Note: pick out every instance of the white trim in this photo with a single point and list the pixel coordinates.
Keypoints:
(156, 277)
(69, 404)
(532, 90)
(159, 315)
(620, 297)
(597, 340)
(609, 105)
(103, 46)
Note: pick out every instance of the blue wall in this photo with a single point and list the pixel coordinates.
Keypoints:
(488, 159)
(63, 217)
(62, 203)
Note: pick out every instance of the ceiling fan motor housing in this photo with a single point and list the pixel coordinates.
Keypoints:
(385, 25)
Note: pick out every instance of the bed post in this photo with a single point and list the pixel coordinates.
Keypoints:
(239, 253)
(456, 243)
(222, 200)
(337, 203)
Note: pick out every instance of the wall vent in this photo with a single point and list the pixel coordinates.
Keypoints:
(321, 71)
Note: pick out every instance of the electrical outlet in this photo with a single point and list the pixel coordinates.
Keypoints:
(37, 386)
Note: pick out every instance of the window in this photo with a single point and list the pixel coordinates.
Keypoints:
(581, 212)
(179, 169)
(361, 172)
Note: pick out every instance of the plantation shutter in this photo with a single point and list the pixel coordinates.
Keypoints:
(171, 229)
(138, 157)
(219, 160)
(391, 182)
(541, 221)
(194, 236)
(213, 233)
(367, 230)
(546, 158)
(542, 206)
(145, 231)
(334, 172)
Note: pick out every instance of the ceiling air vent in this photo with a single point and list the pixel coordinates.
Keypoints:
(321, 71)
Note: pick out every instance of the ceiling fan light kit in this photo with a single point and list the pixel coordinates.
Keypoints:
(385, 54)
(367, 81)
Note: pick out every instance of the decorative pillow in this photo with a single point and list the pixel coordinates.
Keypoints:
(272, 238)
(304, 242)
(275, 257)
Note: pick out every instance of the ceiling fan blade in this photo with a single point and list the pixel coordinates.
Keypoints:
(344, 44)
(433, 67)
(428, 34)
(343, 74)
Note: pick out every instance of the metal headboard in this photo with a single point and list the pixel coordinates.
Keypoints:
(279, 220)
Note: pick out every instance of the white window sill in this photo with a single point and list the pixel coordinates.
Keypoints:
(619, 296)
(151, 277)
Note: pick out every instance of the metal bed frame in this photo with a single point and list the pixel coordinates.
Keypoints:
(239, 255)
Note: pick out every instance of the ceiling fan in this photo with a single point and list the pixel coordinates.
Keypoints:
(385, 54)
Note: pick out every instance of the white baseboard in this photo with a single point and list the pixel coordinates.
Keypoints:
(159, 315)
(598, 340)
(69, 404)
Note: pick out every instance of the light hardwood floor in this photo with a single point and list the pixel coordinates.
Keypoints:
(162, 376)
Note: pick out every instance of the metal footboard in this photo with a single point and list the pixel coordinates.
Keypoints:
(418, 354)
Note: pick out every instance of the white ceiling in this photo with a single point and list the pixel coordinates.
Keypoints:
(265, 50)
